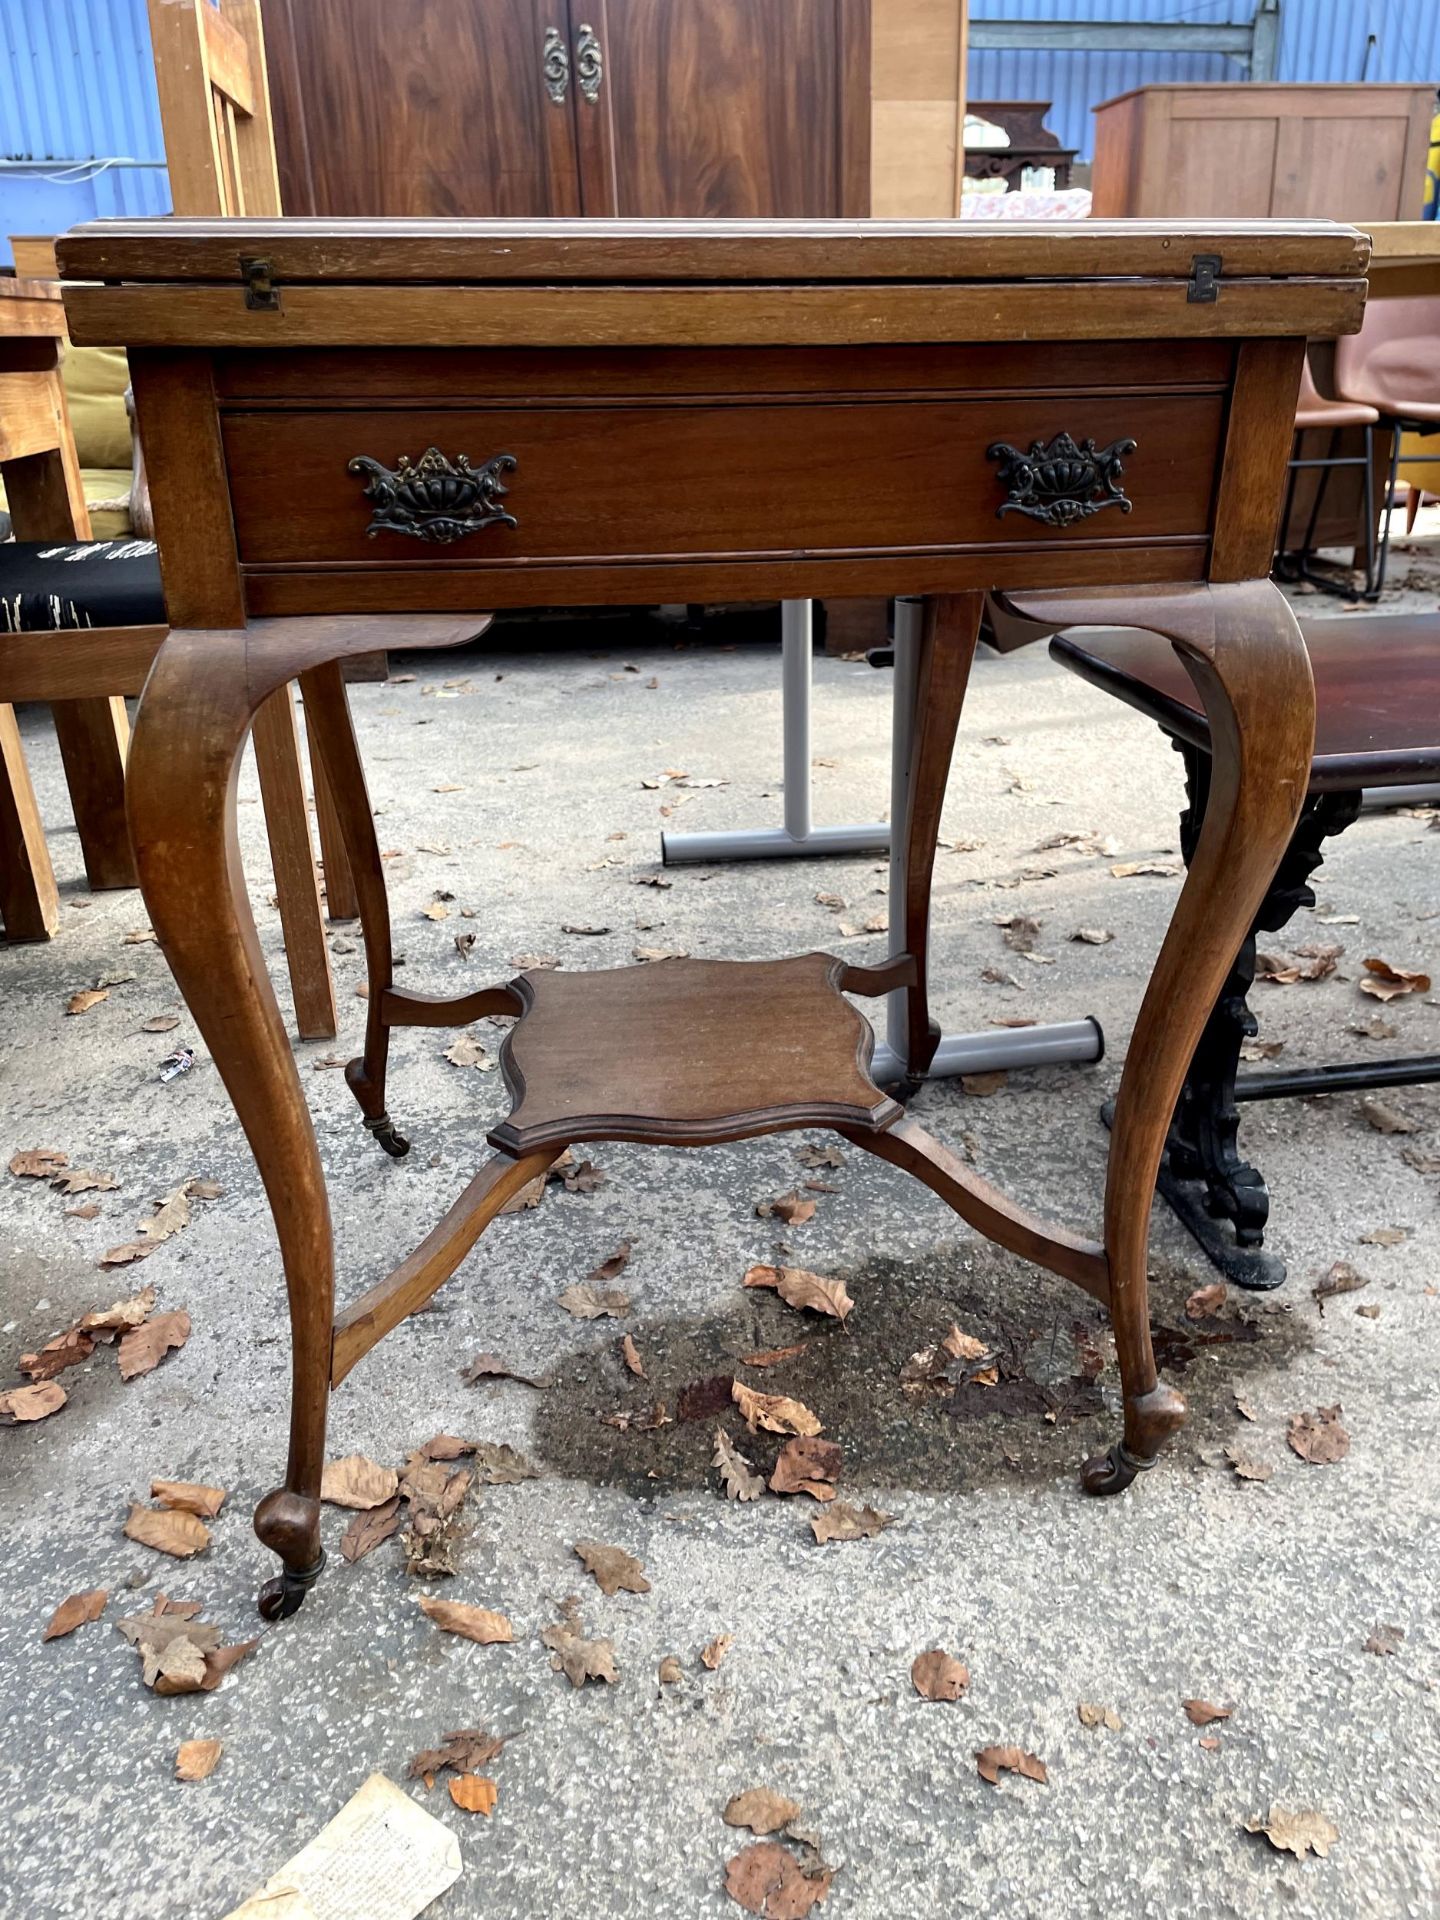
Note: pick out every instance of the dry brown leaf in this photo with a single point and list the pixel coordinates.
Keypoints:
(630, 1354)
(790, 1207)
(479, 1624)
(980, 1086)
(357, 1481)
(188, 1496)
(167, 1531)
(1318, 1437)
(75, 1612)
(799, 1288)
(463, 1752)
(715, 1650)
(467, 1050)
(807, 1466)
(121, 1316)
(586, 1178)
(820, 1156)
(1093, 936)
(1201, 1713)
(1314, 961)
(767, 1879)
(528, 1197)
(1385, 1237)
(489, 1366)
(738, 1477)
(38, 1163)
(369, 1529)
(671, 1672)
(964, 1346)
(31, 1403)
(760, 1809)
(1340, 1278)
(1385, 1640)
(776, 1412)
(197, 1759)
(841, 1521)
(937, 1675)
(1247, 1467)
(84, 1180)
(127, 1253)
(1385, 982)
(67, 1349)
(144, 1347)
(88, 1212)
(992, 1761)
(1206, 1301)
(86, 998)
(573, 1655)
(160, 1023)
(595, 1303)
(1385, 1118)
(472, 1794)
(1092, 1715)
(1131, 869)
(1297, 1833)
(615, 1570)
(771, 1357)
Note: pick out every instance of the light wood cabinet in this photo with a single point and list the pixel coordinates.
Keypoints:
(1287, 152)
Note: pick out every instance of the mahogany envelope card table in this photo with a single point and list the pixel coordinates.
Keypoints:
(361, 432)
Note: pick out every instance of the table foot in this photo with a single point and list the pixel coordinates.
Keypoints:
(386, 1135)
(1150, 1420)
(289, 1524)
(285, 1593)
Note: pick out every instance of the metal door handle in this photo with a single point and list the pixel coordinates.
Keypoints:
(555, 59)
(589, 62)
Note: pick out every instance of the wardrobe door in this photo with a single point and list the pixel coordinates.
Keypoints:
(723, 108)
(423, 107)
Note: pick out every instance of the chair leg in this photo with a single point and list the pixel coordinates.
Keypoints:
(292, 853)
(340, 899)
(193, 720)
(1375, 591)
(94, 738)
(28, 898)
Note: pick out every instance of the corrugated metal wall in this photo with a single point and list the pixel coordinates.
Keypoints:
(77, 85)
(1319, 40)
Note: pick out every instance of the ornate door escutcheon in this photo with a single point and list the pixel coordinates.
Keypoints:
(1061, 483)
(433, 498)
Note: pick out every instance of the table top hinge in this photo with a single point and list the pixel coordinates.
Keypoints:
(261, 294)
(1203, 288)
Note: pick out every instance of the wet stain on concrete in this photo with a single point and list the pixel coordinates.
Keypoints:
(1055, 1398)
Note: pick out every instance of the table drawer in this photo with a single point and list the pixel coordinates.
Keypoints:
(510, 486)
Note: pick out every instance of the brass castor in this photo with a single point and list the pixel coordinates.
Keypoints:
(285, 1594)
(394, 1143)
(1112, 1472)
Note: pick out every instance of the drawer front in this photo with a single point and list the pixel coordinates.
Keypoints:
(520, 485)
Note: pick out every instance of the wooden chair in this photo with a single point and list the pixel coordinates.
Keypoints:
(1377, 724)
(42, 483)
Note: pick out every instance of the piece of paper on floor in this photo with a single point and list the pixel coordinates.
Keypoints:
(382, 1857)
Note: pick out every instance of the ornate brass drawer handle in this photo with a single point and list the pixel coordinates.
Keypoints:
(433, 498)
(1061, 483)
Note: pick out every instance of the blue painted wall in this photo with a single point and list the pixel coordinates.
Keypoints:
(1319, 40)
(77, 96)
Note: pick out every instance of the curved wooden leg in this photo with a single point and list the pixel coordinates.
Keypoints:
(1246, 656)
(332, 732)
(193, 719)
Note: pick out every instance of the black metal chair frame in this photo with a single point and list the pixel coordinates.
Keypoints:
(1297, 565)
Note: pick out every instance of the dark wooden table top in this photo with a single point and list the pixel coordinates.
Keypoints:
(1377, 693)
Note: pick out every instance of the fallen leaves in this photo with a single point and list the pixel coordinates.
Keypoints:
(1202, 1713)
(1384, 982)
(776, 1412)
(85, 999)
(1247, 1467)
(31, 1403)
(807, 1465)
(489, 1366)
(67, 1349)
(1340, 1278)
(1314, 961)
(587, 1302)
(1297, 1833)
(357, 1481)
(1385, 1118)
(369, 1529)
(479, 1624)
(715, 1650)
(1385, 1640)
(171, 1215)
(1093, 936)
(760, 1809)
(614, 1570)
(1093, 1715)
(463, 1751)
(578, 1658)
(937, 1675)
(197, 1759)
(188, 1496)
(841, 1521)
(167, 1531)
(790, 1208)
(671, 1672)
(1206, 1301)
(434, 1496)
(472, 1794)
(467, 1051)
(630, 1354)
(144, 1347)
(801, 1289)
(78, 1611)
(737, 1476)
(993, 1761)
(178, 1652)
(38, 1163)
(768, 1880)
(1134, 869)
(1318, 1437)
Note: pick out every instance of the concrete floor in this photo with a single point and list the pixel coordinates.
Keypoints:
(1258, 1595)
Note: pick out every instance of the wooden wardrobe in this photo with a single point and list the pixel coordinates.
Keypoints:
(642, 108)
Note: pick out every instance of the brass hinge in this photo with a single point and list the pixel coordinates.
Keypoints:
(1203, 286)
(261, 293)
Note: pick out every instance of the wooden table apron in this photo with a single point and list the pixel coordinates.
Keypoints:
(358, 434)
